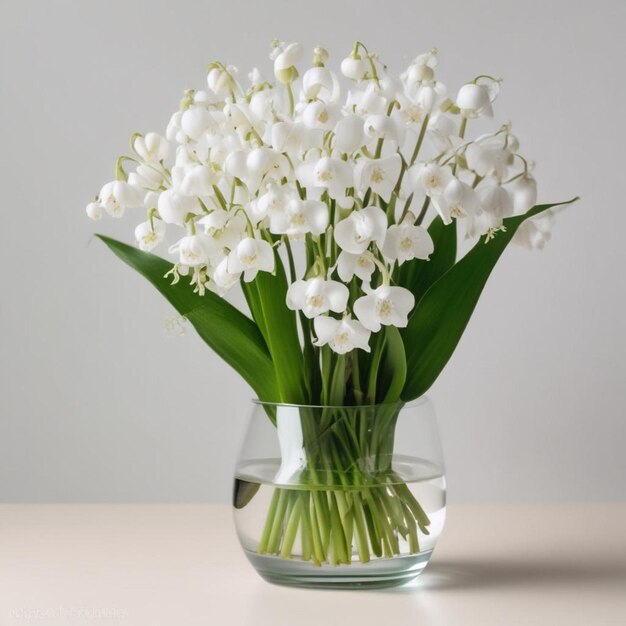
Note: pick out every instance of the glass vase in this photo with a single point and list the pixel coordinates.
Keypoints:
(348, 497)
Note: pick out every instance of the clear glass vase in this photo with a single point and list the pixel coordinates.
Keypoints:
(343, 497)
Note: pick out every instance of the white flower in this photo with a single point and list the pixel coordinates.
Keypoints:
(355, 233)
(457, 200)
(341, 335)
(146, 177)
(474, 101)
(496, 200)
(407, 241)
(94, 211)
(198, 180)
(349, 134)
(381, 126)
(285, 62)
(300, 217)
(195, 121)
(333, 174)
(428, 178)
(487, 156)
(534, 233)
(353, 68)
(174, 207)
(194, 250)
(320, 114)
(223, 278)
(381, 175)
(360, 265)
(251, 256)
(118, 195)
(219, 80)
(317, 296)
(319, 83)
(387, 306)
(152, 148)
(524, 194)
(226, 228)
(149, 234)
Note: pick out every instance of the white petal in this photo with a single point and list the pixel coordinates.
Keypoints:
(94, 211)
(349, 135)
(325, 328)
(346, 264)
(337, 295)
(296, 295)
(365, 310)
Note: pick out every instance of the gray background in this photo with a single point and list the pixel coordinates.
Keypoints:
(100, 403)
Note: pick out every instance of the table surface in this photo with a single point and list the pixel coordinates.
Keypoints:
(181, 565)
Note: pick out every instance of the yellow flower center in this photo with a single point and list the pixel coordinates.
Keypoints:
(324, 177)
(406, 243)
(384, 308)
(378, 175)
(315, 301)
(432, 181)
(297, 220)
(249, 259)
(414, 114)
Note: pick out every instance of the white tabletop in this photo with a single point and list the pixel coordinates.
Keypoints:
(181, 565)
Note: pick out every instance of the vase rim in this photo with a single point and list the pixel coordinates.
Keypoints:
(409, 404)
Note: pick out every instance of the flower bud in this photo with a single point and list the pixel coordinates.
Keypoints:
(94, 211)
(473, 100)
(353, 68)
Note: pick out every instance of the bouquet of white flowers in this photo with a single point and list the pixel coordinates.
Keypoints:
(336, 209)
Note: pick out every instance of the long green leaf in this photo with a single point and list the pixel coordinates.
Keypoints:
(418, 275)
(266, 297)
(392, 370)
(444, 311)
(233, 335)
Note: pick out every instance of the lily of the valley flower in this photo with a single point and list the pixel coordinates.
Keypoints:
(428, 178)
(355, 233)
(342, 335)
(534, 233)
(524, 194)
(118, 195)
(360, 265)
(354, 67)
(149, 234)
(457, 200)
(251, 256)
(194, 250)
(195, 122)
(381, 175)
(224, 279)
(349, 134)
(333, 174)
(319, 83)
(174, 207)
(407, 241)
(285, 61)
(300, 217)
(386, 306)
(474, 101)
(94, 211)
(152, 148)
(317, 296)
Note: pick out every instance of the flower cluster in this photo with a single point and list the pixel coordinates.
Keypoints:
(348, 174)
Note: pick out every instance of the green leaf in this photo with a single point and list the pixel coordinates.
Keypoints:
(266, 296)
(392, 370)
(444, 311)
(418, 275)
(233, 335)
